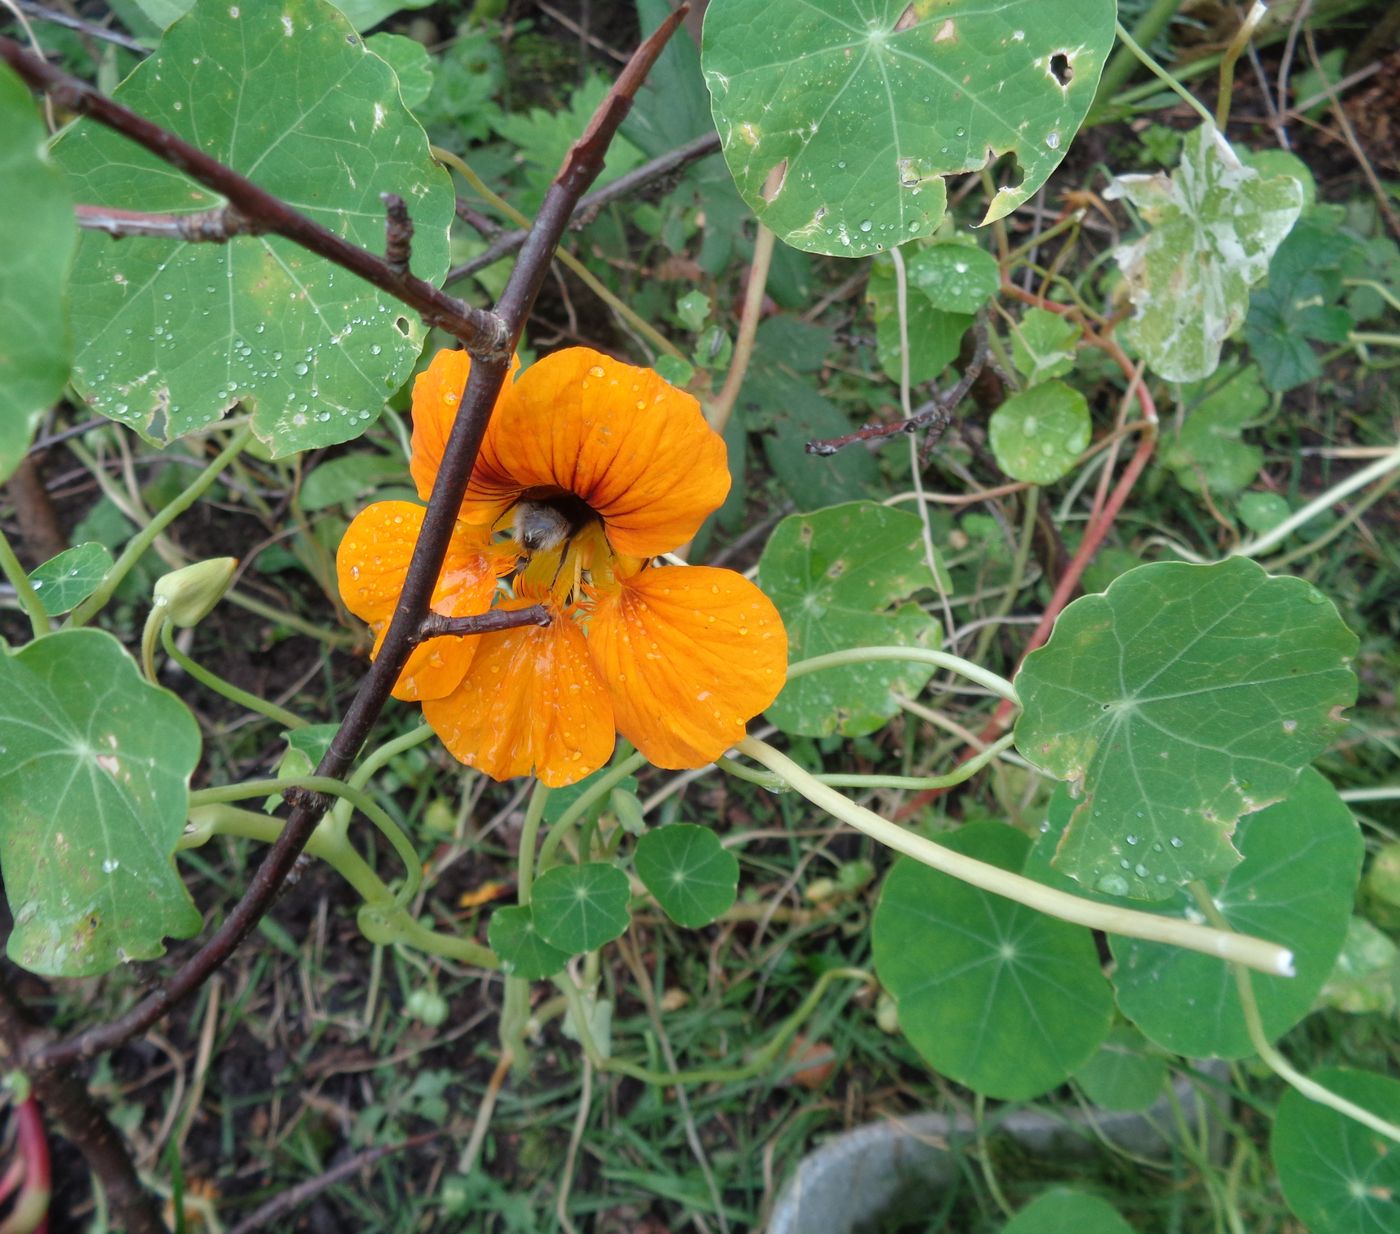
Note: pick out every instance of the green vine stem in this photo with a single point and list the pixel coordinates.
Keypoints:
(1148, 27)
(362, 801)
(213, 681)
(144, 538)
(529, 833)
(762, 1059)
(963, 771)
(380, 755)
(382, 920)
(1171, 82)
(586, 276)
(1275, 1061)
(581, 804)
(919, 655)
(1386, 463)
(24, 592)
(1255, 952)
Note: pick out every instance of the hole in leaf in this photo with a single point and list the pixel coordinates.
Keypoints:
(908, 18)
(1061, 69)
(401, 324)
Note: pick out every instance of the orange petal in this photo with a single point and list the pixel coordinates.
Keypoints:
(437, 395)
(531, 702)
(690, 655)
(371, 565)
(633, 447)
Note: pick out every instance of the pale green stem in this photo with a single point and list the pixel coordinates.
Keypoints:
(762, 1059)
(586, 276)
(1388, 792)
(24, 591)
(1255, 952)
(1227, 63)
(145, 537)
(1379, 288)
(1275, 1061)
(718, 411)
(1148, 27)
(600, 787)
(964, 771)
(389, 922)
(1018, 574)
(1171, 82)
(230, 691)
(331, 638)
(916, 655)
(377, 757)
(362, 801)
(529, 833)
(1275, 564)
(1319, 505)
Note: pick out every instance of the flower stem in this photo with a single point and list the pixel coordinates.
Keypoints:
(230, 691)
(24, 591)
(377, 757)
(143, 539)
(600, 787)
(1275, 1061)
(525, 863)
(1256, 953)
(918, 655)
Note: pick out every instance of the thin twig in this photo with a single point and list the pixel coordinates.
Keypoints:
(217, 226)
(435, 625)
(581, 166)
(482, 333)
(54, 17)
(505, 243)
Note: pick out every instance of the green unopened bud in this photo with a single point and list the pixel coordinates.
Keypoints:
(186, 596)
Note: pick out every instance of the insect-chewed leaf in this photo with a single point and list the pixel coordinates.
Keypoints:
(174, 334)
(1180, 699)
(840, 119)
(94, 787)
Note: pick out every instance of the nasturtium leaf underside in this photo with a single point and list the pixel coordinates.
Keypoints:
(993, 994)
(835, 577)
(839, 120)
(1208, 446)
(1339, 1176)
(1123, 1075)
(579, 908)
(410, 61)
(65, 581)
(36, 219)
(94, 783)
(1042, 345)
(692, 875)
(1295, 885)
(175, 334)
(1062, 1211)
(523, 953)
(1178, 700)
(1038, 435)
(1214, 224)
(1366, 976)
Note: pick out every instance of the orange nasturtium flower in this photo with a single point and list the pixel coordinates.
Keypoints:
(589, 471)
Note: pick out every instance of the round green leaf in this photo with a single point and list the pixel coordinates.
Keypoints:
(1214, 226)
(993, 994)
(175, 334)
(1338, 1176)
(95, 765)
(1209, 444)
(579, 908)
(692, 875)
(1038, 434)
(957, 278)
(1042, 346)
(839, 120)
(934, 336)
(834, 576)
(65, 581)
(514, 938)
(1178, 700)
(1124, 1074)
(36, 219)
(1061, 1210)
(1295, 885)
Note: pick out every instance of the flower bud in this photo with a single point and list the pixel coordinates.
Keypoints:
(188, 595)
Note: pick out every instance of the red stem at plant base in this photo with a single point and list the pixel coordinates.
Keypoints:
(1095, 531)
(33, 1147)
(581, 166)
